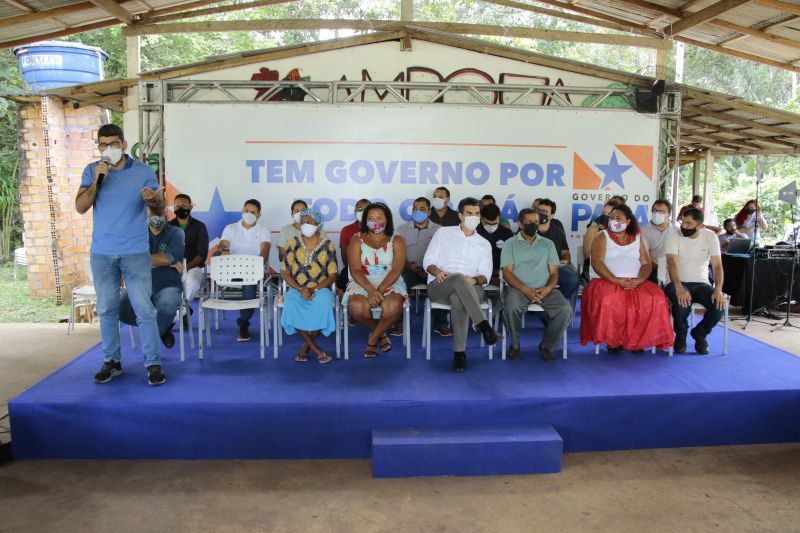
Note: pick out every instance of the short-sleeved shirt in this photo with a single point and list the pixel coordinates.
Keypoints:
(557, 235)
(417, 240)
(170, 242)
(531, 261)
(291, 232)
(195, 239)
(245, 241)
(120, 215)
(496, 240)
(450, 218)
(694, 255)
(346, 235)
(309, 267)
(656, 239)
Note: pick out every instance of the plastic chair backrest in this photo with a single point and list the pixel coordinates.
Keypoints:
(237, 270)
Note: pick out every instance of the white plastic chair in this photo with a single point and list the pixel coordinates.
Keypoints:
(83, 295)
(277, 331)
(406, 328)
(427, 325)
(663, 280)
(531, 308)
(234, 271)
(20, 259)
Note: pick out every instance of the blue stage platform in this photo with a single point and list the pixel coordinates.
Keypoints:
(235, 405)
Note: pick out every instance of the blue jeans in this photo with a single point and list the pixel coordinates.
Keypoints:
(249, 292)
(108, 272)
(701, 294)
(567, 281)
(166, 301)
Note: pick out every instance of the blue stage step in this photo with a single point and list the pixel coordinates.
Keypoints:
(466, 450)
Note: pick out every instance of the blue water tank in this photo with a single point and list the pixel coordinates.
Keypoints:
(52, 64)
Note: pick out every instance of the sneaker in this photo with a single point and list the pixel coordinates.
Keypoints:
(700, 342)
(244, 334)
(109, 371)
(680, 344)
(444, 331)
(154, 375)
(397, 330)
(168, 339)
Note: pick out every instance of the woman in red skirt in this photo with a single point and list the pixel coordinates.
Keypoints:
(620, 307)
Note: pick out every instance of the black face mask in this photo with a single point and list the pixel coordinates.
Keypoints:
(530, 229)
(729, 231)
(182, 212)
(750, 210)
(602, 220)
(688, 232)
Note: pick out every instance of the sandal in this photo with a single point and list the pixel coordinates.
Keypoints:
(302, 355)
(371, 351)
(324, 358)
(386, 343)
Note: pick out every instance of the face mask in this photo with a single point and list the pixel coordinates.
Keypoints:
(376, 227)
(157, 221)
(182, 212)
(688, 232)
(490, 228)
(437, 203)
(659, 218)
(729, 231)
(602, 220)
(616, 226)
(359, 214)
(471, 222)
(296, 218)
(543, 218)
(419, 216)
(308, 229)
(249, 218)
(530, 229)
(112, 155)
(751, 210)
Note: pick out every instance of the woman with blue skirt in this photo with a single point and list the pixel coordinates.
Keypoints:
(309, 268)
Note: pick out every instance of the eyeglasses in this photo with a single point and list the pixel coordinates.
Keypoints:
(103, 146)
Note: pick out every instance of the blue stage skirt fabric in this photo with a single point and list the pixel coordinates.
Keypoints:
(634, 319)
(308, 315)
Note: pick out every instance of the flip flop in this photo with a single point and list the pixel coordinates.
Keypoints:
(371, 351)
(324, 359)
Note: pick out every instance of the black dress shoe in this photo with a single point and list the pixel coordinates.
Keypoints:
(680, 344)
(490, 336)
(168, 339)
(616, 350)
(546, 354)
(189, 313)
(459, 361)
(700, 342)
(516, 354)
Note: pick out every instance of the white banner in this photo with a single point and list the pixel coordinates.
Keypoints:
(331, 156)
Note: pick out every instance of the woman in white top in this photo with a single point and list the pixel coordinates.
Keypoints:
(746, 220)
(620, 307)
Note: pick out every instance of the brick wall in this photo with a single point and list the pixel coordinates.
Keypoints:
(56, 142)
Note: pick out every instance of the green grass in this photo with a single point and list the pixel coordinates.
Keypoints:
(16, 305)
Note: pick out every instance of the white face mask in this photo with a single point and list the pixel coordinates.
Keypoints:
(308, 229)
(490, 228)
(659, 218)
(471, 222)
(112, 155)
(249, 218)
(616, 226)
(296, 218)
(359, 215)
(438, 203)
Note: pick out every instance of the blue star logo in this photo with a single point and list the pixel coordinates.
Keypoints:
(613, 171)
(216, 218)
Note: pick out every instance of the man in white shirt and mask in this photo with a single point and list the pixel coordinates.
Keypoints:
(656, 231)
(459, 263)
(246, 237)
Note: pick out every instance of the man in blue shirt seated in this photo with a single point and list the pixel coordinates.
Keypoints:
(166, 257)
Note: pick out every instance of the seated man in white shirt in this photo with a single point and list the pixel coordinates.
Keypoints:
(246, 237)
(656, 231)
(688, 256)
(459, 262)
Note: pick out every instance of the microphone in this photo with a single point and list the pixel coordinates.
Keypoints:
(100, 177)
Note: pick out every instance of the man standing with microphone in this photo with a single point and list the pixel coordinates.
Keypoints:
(120, 188)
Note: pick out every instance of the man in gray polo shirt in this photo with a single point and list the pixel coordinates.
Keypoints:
(417, 235)
(530, 268)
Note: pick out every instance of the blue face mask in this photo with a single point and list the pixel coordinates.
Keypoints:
(419, 216)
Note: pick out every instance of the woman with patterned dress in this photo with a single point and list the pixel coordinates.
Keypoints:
(376, 257)
(620, 307)
(309, 268)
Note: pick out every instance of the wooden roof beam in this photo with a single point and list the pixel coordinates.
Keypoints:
(704, 15)
(794, 9)
(724, 116)
(577, 18)
(212, 11)
(742, 55)
(393, 25)
(33, 16)
(20, 6)
(115, 10)
(61, 33)
(740, 132)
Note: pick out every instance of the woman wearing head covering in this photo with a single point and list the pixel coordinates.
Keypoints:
(309, 268)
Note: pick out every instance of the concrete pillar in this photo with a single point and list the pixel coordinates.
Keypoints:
(708, 184)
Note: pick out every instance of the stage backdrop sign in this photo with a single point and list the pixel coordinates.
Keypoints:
(330, 156)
